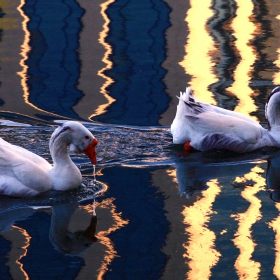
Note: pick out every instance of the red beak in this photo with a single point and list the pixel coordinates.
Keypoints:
(90, 151)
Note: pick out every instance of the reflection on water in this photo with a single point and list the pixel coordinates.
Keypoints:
(65, 234)
(200, 216)
(275, 224)
(276, 76)
(245, 266)
(106, 60)
(25, 48)
(95, 71)
(73, 243)
(111, 253)
(244, 28)
(201, 238)
(20, 242)
(200, 49)
(94, 52)
(123, 62)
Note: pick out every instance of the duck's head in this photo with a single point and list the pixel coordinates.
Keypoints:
(272, 108)
(77, 137)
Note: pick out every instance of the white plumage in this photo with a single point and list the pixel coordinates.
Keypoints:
(23, 173)
(209, 127)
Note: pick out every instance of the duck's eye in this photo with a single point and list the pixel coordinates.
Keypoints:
(87, 137)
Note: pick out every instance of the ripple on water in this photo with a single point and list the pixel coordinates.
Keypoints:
(51, 198)
(121, 145)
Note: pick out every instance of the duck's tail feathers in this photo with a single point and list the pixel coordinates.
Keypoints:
(194, 105)
(187, 95)
(197, 108)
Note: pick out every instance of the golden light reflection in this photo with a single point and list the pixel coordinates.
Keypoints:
(6, 22)
(244, 30)
(118, 223)
(275, 225)
(20, 241)
(201, 238)
(25, 49)
(172, 174)
(246, 267)
(199, 49)
(24, 248)
(108, 81)
(276, 76)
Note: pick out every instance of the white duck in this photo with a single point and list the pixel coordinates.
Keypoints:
(205, 127)
(23, 173)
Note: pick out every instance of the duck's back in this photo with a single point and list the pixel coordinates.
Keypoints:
(9, 153)
(22, 173)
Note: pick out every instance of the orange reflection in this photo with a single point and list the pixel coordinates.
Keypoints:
(276, 76)
(118, 223)
(245, 266)
(201, 238)
(20, 241)
(108, 81)
(275, 225)
(244, 30)
(25, 49)
(27, 243)
(197, 61)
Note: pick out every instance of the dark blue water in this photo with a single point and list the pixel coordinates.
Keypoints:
(161, 213)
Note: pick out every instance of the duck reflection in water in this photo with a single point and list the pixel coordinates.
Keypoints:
(193, 177)
(72, 243)
(273, 177)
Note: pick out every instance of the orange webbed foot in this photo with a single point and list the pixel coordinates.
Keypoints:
(187, 147)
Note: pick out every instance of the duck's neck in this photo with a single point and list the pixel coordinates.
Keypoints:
(65, 174)
(61, 217)
(273, 112)
(59, 151)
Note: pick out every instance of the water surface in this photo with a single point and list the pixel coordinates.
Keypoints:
(117, 67)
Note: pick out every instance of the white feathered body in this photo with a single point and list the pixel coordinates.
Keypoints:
(23, 173)
(209, 127)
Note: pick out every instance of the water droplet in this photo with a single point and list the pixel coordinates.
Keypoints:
(93, 208)
(94, 177)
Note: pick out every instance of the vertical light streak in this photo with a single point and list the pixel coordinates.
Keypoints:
(25, 49)
(102, 40)
(200, 248)
(247, 268)
(276, 76)
(275, 225)
(199, 49)
(102, 235)
(244, 30)
(20, 240)
(24, 248)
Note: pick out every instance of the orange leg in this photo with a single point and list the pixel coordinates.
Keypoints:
(188, 147)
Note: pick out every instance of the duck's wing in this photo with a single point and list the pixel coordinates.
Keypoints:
(22, 173)
(188, 97)
(212, 130)
(196, 119)
(222, 141)
(19, 151)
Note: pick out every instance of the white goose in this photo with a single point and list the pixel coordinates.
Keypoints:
(205, 127)
(23, 173)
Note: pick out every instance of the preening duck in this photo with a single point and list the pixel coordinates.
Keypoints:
(23, 173)
(204, 127)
